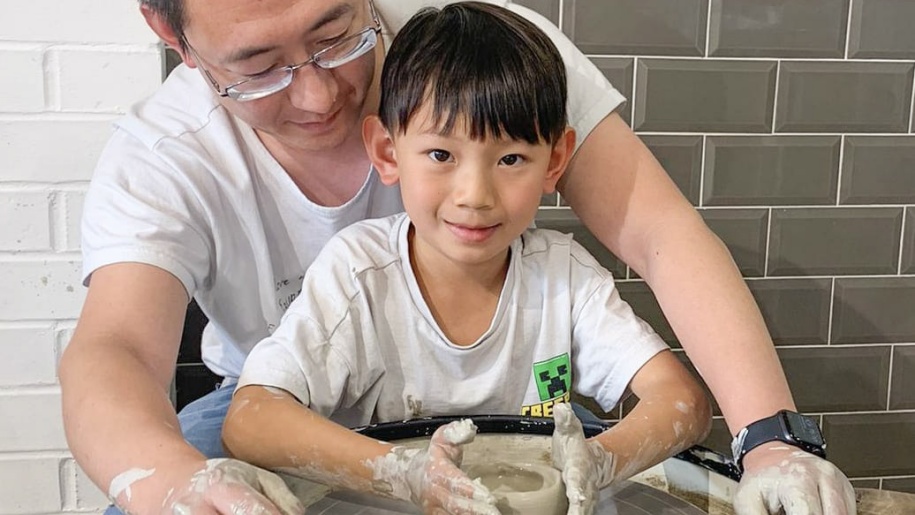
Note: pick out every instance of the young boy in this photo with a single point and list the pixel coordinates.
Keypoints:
(457, 307)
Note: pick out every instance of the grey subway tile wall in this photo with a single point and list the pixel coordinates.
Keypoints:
(825, 379)
(788, 124)
(771, 170)
(874, 310)
(619, 72)
(841, 241)
(902, 392)
(681, 157)
(907, 263)
(879, 170)
(704, 96)
(744, 232)
(776, 28)
(844, 97)
(873, 444)
(882, 29)
(643, 27)
(796, 310)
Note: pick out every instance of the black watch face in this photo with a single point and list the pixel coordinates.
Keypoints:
(804, 429)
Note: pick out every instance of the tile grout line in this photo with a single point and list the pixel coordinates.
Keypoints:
(702, 162)
(708, 26)
(889, 378)
(902, 240)
(750, 59)
(851, 10)
(768, 244)
(832, 306)
(778, 74)
(841, 164)
(912, 107)
(635, 79)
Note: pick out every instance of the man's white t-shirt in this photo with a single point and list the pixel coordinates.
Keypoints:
(360, 345)
(187, 187)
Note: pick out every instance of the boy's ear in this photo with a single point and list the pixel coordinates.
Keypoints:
(562, 152)
(380, 147)
(158, 25)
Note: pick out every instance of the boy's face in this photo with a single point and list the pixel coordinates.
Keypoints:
(467, 199)
(321, 109)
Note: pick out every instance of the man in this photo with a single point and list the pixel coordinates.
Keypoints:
(207, 189)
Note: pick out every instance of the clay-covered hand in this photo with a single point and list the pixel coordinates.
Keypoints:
(786, 478)
(431, 478)
(232, 487)
(586, 467)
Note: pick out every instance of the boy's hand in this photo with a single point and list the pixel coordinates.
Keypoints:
(432, 478)
(586, 467)
(785, 478)
(232, 487)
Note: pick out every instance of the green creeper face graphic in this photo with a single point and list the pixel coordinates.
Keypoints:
(554, 377)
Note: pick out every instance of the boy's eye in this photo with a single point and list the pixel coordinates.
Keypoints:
(440, 156)
(511, 160)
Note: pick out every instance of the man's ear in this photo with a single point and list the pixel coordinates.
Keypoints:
(380, 147)
(563, 149)
(162, 29)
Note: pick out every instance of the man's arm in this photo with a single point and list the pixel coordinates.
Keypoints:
(120, 424)
(626, 199)
(115, 377)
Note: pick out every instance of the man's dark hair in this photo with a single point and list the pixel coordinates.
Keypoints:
(492, 68)
(172, 11)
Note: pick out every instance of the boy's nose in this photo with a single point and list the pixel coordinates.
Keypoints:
(474, 189)
(314, 89)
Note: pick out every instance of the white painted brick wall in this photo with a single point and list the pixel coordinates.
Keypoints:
(69, 69)
(24, 90)
(28, 356)
(30, 485)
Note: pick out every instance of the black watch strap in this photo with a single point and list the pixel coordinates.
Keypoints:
(785, 426)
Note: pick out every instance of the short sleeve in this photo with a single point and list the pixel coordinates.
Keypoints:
(139, 209)
(323, 351)
(609, 342)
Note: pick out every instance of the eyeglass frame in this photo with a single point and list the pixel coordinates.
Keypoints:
(230, 91)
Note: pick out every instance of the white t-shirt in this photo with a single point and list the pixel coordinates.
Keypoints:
(187, 187)
(360, 345)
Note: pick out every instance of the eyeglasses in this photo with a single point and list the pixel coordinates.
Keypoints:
(273, 81)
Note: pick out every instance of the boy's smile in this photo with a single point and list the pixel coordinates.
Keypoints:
(467, 198)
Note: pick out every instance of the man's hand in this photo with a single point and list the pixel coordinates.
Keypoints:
(781, 477)
(432, 478)
(586, 467)
(232, 487)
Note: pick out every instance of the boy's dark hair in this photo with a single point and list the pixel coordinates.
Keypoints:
(485, 64)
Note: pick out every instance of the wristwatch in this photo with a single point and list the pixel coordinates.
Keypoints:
(785, 426)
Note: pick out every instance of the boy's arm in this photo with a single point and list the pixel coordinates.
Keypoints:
(270, 428)
(673, 413)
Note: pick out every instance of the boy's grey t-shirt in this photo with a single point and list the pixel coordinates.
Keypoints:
(360, 345)
(184, 186)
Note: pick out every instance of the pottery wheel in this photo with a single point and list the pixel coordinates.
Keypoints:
(627, 498)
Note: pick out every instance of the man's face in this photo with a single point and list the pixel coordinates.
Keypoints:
(321, 109)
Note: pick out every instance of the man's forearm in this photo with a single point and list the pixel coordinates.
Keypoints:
(628, 201)
(121, 427)
(718, 324)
